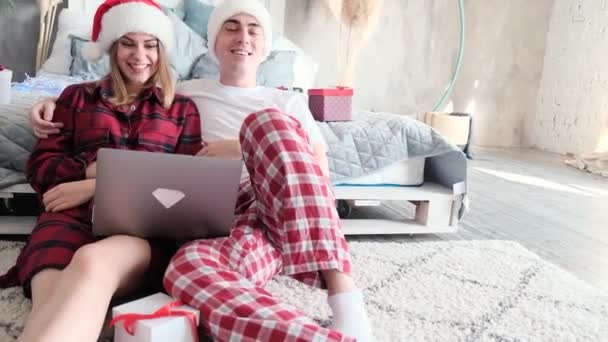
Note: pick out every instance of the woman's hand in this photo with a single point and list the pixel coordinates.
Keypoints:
(91, 171)
(222, 149)
(41, 116)
(68, 195)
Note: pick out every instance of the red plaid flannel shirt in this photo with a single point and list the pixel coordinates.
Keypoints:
(92, 122)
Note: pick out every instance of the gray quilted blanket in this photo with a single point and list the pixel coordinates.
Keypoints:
(373, 141)
(355, 148)
(16, 137)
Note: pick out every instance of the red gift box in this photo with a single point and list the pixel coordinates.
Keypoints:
(331, 104)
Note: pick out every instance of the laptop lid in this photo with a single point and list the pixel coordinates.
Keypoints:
(159, 195)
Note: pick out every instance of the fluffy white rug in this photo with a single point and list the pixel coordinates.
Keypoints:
(445, 291)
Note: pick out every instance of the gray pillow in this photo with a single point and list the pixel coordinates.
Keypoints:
(84, 69)
(196, 16)
(275, 71)
(189, 47)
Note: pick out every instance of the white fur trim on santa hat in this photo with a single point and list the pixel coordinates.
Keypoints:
(229, 8)
(132, 17)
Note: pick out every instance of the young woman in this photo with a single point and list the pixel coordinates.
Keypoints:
(70, 274)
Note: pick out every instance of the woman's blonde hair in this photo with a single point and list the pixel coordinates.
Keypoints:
(161, 78)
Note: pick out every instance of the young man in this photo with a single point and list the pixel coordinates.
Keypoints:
(286, 219)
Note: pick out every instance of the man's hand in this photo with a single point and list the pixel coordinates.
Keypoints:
(222, 149)
(68, 195)
(41, 116)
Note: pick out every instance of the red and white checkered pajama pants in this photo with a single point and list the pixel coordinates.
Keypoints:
(286, 224)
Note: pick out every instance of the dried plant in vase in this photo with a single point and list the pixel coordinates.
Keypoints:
(356, 21)
(7, 6)
(48, 12)
(45, 5)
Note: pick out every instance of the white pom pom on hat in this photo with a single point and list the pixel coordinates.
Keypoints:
(91, 51)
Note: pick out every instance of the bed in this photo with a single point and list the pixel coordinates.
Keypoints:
(376, 157)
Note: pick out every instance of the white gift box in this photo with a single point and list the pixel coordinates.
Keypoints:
(171, 328)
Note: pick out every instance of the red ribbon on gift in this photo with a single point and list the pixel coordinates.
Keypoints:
(164, 311)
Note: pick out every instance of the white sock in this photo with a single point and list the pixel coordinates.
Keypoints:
(349, 316)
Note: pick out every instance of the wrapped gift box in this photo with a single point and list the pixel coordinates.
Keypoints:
(331, 104)
(175, 322)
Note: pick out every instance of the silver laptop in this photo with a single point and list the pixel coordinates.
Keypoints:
(162, 195)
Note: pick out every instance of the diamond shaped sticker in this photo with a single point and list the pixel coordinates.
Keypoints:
(168, 197)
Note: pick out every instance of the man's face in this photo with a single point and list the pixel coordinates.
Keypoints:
(240, 43)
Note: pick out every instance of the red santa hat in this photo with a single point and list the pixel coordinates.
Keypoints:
(229, 8)
(115, 18)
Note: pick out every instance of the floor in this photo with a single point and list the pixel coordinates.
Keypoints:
(531, 197)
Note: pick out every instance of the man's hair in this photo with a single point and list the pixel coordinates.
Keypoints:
(161, 77)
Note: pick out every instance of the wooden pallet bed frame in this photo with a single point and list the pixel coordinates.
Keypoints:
(437, 209)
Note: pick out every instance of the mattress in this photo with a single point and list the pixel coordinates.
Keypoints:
(402, 173)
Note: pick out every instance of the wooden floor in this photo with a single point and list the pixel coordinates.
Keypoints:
(529, 196)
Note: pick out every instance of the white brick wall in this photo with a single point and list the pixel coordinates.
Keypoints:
(572, 103)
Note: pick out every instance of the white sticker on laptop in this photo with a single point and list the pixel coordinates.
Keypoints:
(168, 197)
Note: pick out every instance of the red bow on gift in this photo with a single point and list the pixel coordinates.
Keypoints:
(165, 311)
(1, 67)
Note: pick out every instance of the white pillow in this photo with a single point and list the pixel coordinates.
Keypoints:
(73, 22)
(305, 68)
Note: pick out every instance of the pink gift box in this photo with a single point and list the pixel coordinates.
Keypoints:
(331, 104)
